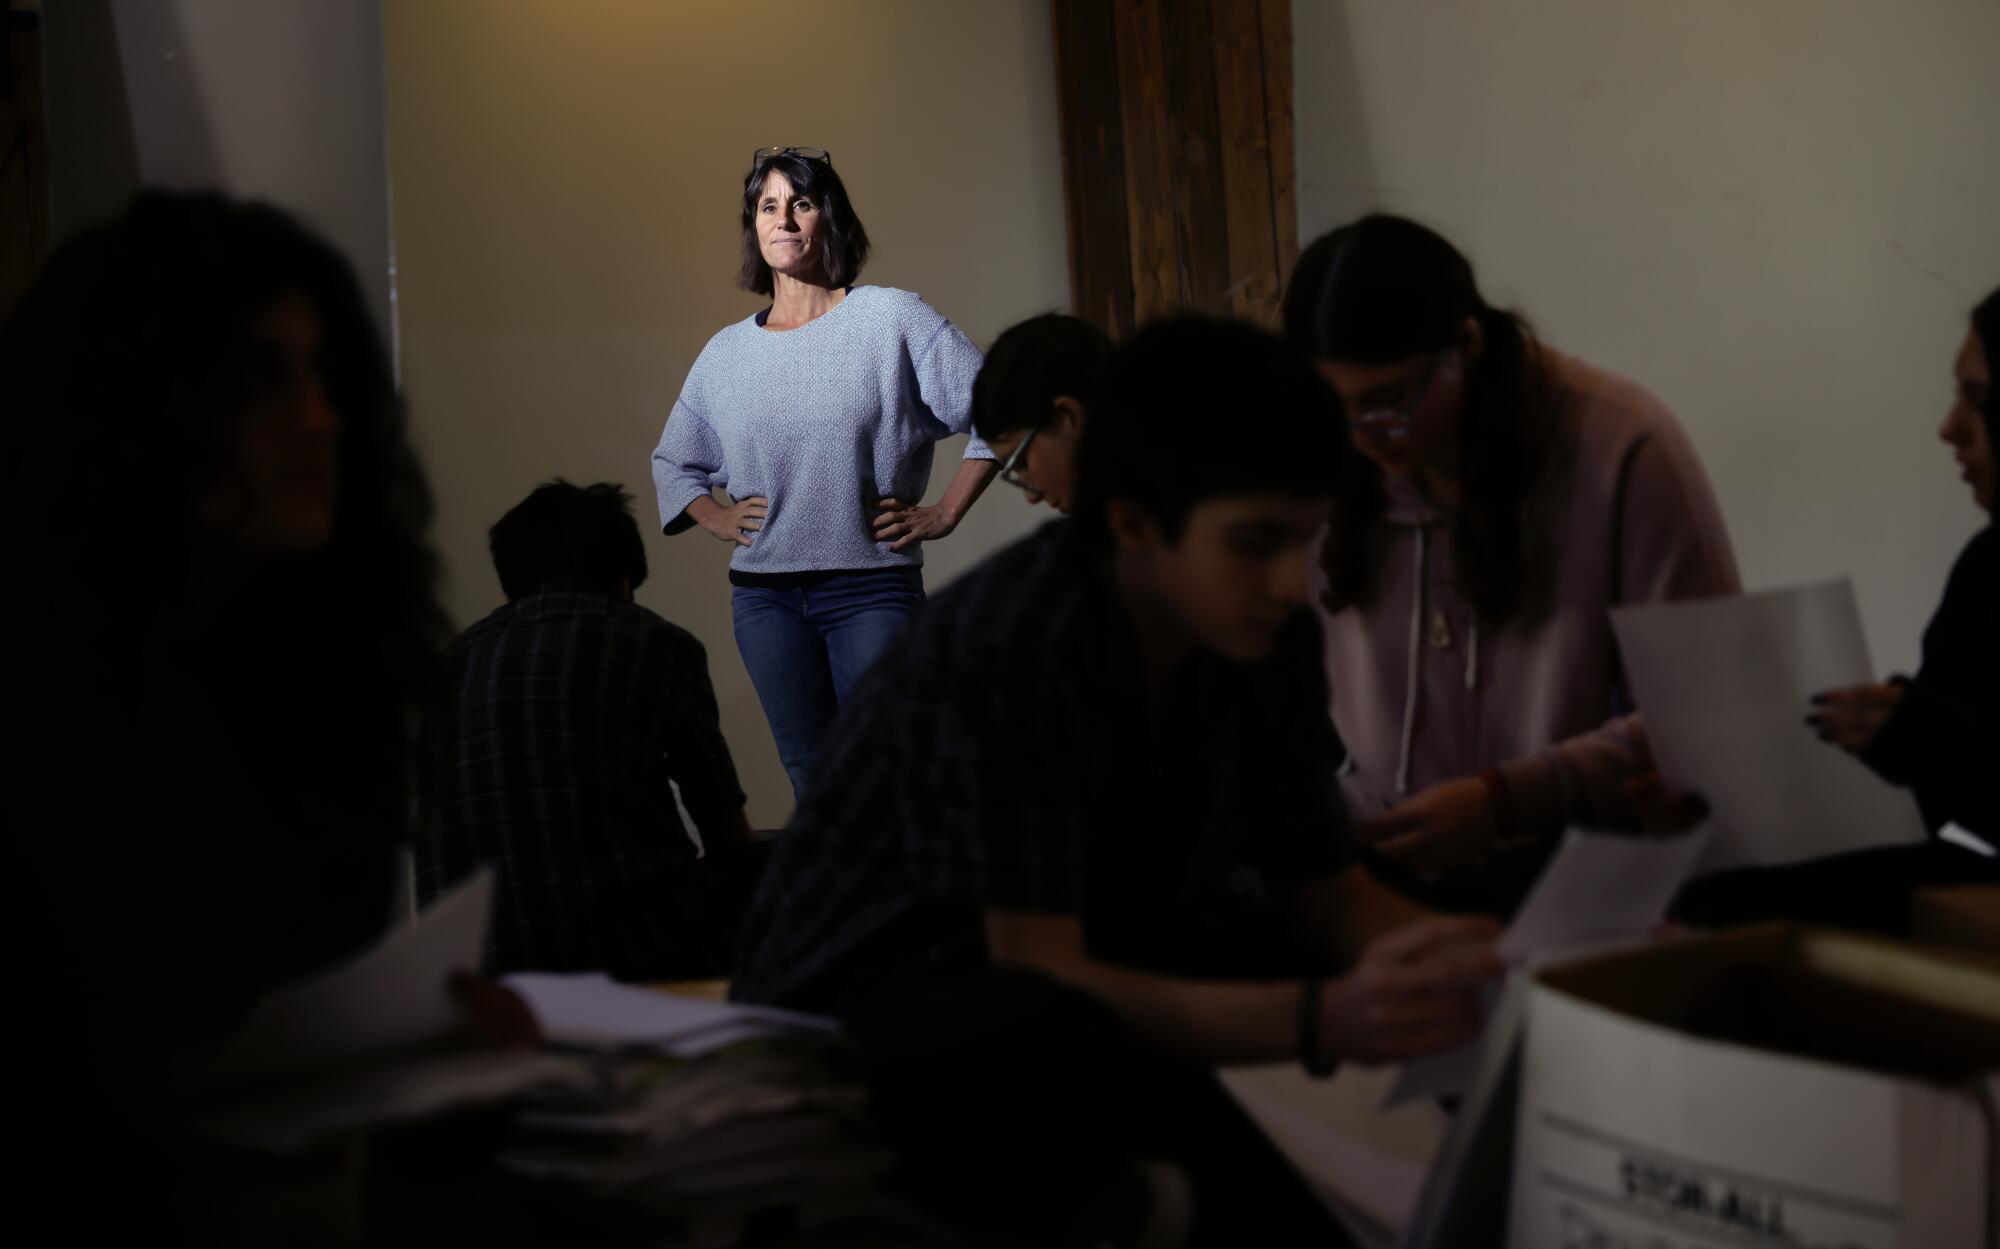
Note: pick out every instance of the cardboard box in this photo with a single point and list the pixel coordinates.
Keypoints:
(1966, 916)
(1774, 1085)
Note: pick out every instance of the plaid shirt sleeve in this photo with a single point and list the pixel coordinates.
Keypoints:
(997, 813)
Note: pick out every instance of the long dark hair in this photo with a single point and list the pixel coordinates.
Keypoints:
(1384, 289)
(121, 371)
(273, 711)
(843, 240)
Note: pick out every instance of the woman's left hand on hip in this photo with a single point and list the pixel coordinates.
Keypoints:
(903, 524)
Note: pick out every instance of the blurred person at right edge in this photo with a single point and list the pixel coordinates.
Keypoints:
(1508, 495)
(1938, 733)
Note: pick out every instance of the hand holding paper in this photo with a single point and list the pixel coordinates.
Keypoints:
(1599, 887)
(1445, 826)
(392, 996)
(1850, 718)
(1414, 991)
(375, 1039)
(1723, 682)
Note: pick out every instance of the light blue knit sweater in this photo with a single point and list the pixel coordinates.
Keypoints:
(822, 421)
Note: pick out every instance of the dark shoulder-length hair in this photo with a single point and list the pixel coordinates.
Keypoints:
(1383, 289)
(844, 242)
(124, 372)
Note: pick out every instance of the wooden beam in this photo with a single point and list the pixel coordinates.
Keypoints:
(1177, 157)
(1093, 156)
(1201, 226)
(1256, 276)
(1275, 17)
(1149, 176)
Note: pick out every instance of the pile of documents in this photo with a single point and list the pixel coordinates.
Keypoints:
(704, 1115)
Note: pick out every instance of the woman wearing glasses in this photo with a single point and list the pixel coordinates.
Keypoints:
(1513, 494)
(817, 416)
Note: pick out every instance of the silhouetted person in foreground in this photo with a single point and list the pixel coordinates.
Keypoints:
(221, 619)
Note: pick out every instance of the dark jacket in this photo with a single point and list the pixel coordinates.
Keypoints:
(1943, 740)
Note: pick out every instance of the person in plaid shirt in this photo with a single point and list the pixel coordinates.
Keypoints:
(574, 728)
(1082, 825)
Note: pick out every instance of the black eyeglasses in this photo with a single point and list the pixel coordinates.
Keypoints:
(803, 153)
(1010, 470)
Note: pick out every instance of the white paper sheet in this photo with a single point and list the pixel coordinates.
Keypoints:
(1602, 887)
(595, 1010)
(1965, 839)
(1366, 1163)
(392, 996)
(1725, 686)
(1598, 887)
(371, 1042)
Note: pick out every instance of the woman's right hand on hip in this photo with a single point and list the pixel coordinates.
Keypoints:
(735, 523)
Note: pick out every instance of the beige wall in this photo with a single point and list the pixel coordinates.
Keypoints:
(274, 99)
(1777, 215)
(565, 186)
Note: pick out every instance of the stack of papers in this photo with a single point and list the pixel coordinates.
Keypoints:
(594, 1011)
(693, 1148)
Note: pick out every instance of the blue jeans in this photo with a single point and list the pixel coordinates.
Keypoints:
(807, 647)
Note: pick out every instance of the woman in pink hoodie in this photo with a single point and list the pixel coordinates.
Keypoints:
(1510, 496)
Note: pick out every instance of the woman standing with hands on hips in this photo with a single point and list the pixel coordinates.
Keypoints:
(817, 416)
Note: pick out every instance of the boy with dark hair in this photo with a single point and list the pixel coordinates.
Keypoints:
(574, 729)
(1034, 391)
(585, 535)
(1083, 827)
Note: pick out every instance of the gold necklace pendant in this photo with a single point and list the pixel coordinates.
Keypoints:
(1440, 631)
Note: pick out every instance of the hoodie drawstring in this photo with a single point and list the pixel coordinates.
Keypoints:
(1413, 683)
